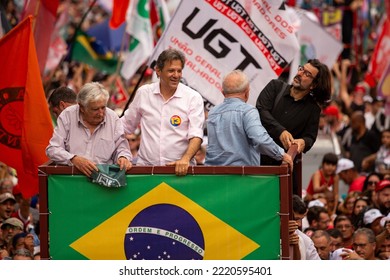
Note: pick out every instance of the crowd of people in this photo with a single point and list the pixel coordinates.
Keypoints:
(19, 220)
(327, 224)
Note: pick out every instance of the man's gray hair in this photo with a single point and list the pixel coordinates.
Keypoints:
(367, 232)
(91, 92)
(23, 252)
(237, 85)
(321, 233)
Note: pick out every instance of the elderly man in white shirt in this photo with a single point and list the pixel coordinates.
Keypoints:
(89, 133)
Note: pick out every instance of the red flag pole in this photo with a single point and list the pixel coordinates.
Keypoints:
(37, 7)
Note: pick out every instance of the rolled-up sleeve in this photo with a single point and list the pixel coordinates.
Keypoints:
(131, 118)
(56, 150)
(122, 148)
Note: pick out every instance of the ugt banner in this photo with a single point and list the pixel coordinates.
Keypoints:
(156, 217)
(218, 36)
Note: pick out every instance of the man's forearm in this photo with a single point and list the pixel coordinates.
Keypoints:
(193, 147)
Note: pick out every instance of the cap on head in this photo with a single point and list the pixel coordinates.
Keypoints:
(6, 196)
(315, 202)
(382, 185)
(344, 164)
(13, 222)
(332, 111)
(371, 215)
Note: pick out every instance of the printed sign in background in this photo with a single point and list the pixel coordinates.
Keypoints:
(315, 41)
(165, 217)
(218, 36)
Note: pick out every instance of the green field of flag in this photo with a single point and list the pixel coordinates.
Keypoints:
(215, 217)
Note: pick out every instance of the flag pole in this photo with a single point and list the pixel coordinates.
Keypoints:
(119, 58)
(131, 97)
(120, 52)
(71, 43)
(36, 15)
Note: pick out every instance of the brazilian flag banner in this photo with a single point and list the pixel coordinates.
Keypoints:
(165, 217)
(89, 50)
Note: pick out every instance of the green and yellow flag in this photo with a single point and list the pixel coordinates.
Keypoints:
(199, 217)
(89, 50)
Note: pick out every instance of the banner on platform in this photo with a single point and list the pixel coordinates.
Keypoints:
(203, 217)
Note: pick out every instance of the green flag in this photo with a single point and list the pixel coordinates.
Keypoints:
(206, 217)
(88, 50)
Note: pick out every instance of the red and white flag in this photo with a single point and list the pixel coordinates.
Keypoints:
(120, 95)
(146, 20)
(119, 10)
(381, 54)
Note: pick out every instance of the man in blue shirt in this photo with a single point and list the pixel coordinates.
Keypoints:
(236, 136)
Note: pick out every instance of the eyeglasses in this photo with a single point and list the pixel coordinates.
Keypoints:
(306, 73)
(372, 183)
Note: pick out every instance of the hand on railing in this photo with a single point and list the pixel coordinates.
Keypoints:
(291, 153)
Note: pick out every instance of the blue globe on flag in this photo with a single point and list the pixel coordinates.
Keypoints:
(164, 232)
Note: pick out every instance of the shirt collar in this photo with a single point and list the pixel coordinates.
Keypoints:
(287, 93)
(233, 100)
(178, 92)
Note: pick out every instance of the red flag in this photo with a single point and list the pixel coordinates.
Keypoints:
(25, 123)
(119, 10)
(120, 92)
(379, 58)
(45, 12)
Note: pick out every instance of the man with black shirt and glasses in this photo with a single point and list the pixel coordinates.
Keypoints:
(291, 113)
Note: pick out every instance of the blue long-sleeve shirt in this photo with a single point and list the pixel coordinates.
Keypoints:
(236, 136)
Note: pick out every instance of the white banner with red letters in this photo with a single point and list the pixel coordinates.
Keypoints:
(218, 36)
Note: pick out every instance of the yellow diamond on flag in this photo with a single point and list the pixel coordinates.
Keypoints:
(221, 241)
